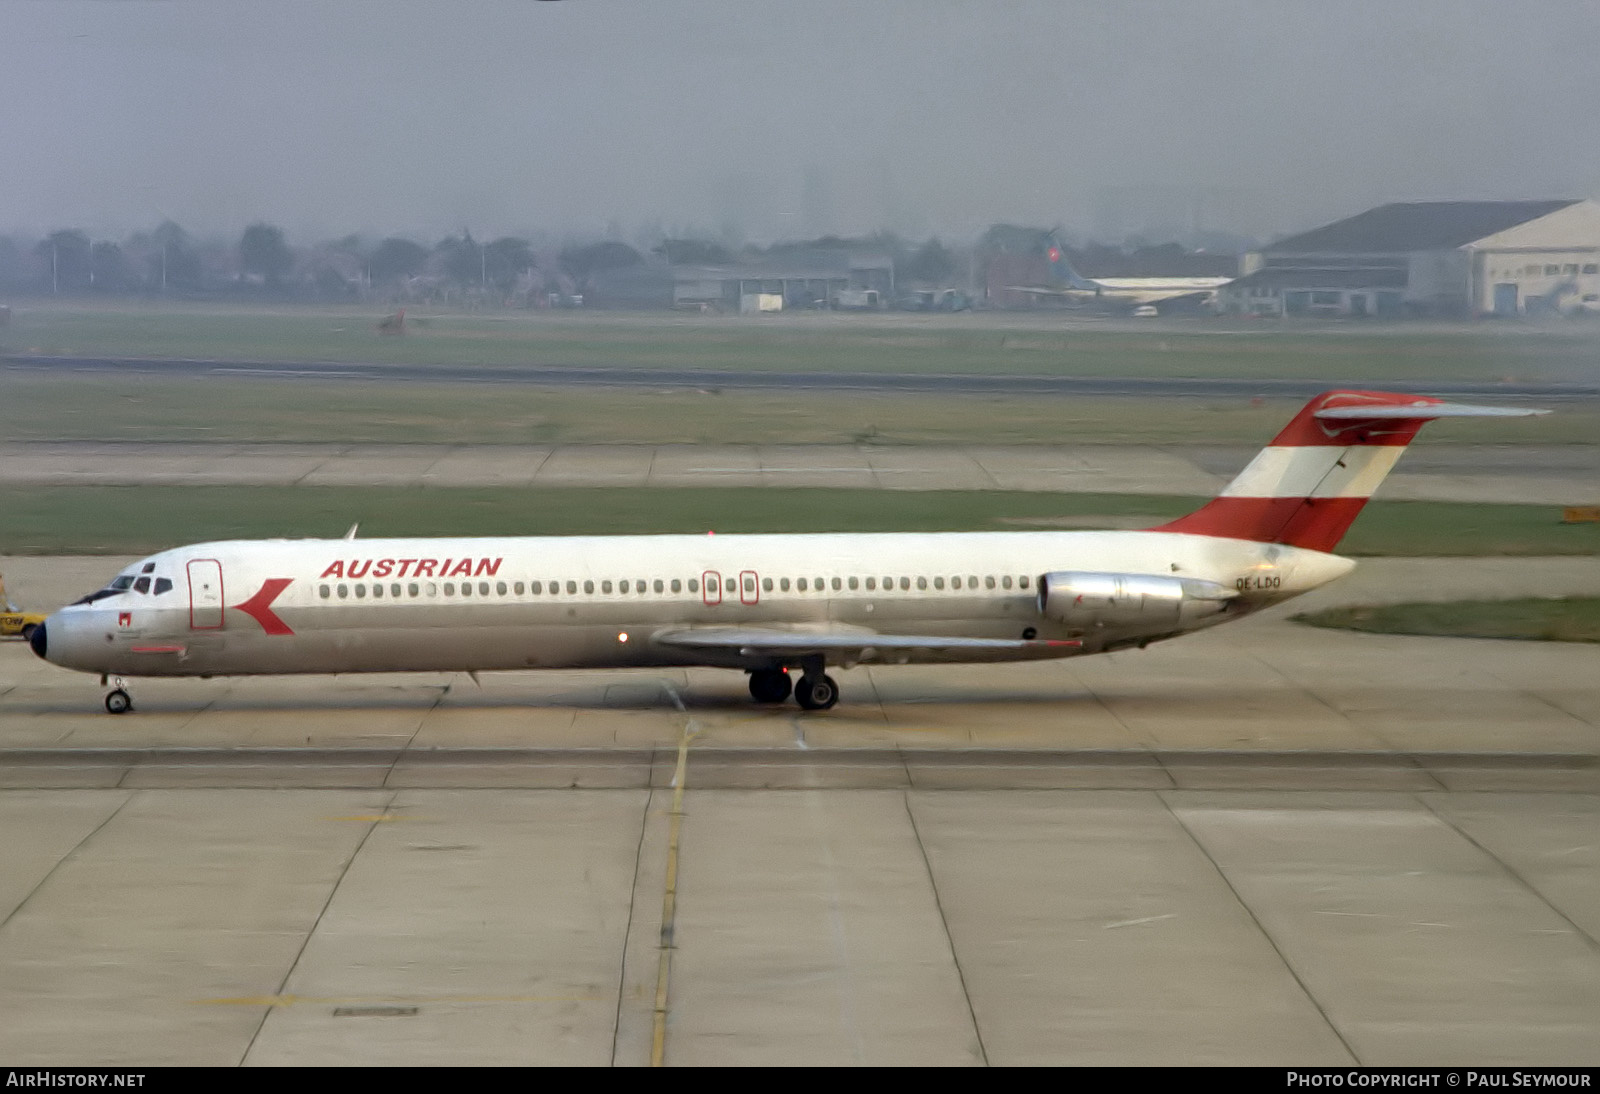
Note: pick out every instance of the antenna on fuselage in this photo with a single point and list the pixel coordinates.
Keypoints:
(351, 534)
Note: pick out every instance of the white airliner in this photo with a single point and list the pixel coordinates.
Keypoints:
(1122, 292)
(764, 604)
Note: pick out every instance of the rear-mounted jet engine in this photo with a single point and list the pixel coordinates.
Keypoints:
(1116, 600)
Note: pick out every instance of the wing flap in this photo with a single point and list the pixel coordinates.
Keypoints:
(757, 641)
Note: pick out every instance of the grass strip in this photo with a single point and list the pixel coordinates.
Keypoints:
(47, 407)
(980, 343)
(1567, 619)
(137, 519)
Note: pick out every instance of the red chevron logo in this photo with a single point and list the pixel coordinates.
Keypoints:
(259, 608)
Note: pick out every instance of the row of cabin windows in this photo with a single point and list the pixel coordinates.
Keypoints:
(395, 590)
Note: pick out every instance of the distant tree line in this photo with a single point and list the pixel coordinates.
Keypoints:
(459, 269)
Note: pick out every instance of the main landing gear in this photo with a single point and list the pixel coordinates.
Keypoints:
(118, 701)
(770, 685)
(815, 690)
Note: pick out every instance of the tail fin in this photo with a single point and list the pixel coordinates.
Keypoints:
(1061, 269)
(1307, 487)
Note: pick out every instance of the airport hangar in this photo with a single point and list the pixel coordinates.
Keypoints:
(1449, 258)
(804, 277)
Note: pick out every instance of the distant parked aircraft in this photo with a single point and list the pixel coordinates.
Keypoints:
(1121, 292)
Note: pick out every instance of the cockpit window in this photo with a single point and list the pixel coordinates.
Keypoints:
(119, 584)
(142, 585)
(163, 585)
(149, 568)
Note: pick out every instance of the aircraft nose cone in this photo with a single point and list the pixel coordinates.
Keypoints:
(38, 640)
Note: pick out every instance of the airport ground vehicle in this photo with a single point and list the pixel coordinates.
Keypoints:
(14, 622)
(763, 604)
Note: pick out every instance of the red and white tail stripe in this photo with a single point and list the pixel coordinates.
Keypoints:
(1307, 487)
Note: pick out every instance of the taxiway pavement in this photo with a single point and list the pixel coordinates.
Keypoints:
(1264, 844)
(1543, 474)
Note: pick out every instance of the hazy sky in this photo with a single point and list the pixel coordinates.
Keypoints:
(783, 119)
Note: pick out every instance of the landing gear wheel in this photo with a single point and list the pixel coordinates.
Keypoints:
(816, 692)
(770, 685)
(118, 702)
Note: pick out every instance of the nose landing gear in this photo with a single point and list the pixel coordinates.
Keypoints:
(118, 701)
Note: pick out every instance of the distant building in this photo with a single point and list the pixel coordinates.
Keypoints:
(802, 278)
(1431, 258)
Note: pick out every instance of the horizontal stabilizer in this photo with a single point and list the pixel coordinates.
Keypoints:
(1417, 411)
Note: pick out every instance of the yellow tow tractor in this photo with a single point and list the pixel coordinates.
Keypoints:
(15, 623)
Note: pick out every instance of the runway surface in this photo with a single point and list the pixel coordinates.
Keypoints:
(1543, 474)
(1264, 844)
(623, 376)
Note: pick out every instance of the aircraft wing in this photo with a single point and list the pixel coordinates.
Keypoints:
(849, 644)
(1039, 290)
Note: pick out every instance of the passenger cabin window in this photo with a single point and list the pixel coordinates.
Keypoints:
(694, 585)
(783, 584)
(766, 584)
(361, 591)
(605, 587)
(323, 591)
(344, 591)
(1022, 582)
(377, 590)
(659, 587)
(800, 584)
(588, 587)
(394, 590)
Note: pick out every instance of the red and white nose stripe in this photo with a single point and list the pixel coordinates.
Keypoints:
(1307, 487)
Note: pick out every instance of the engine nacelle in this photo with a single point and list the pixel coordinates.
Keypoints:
(1113, 600)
